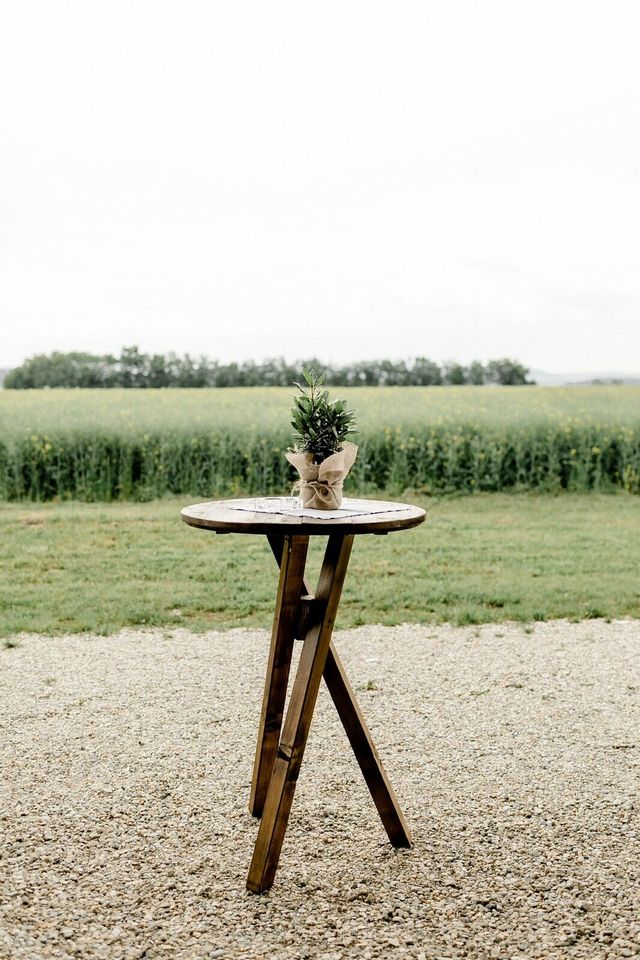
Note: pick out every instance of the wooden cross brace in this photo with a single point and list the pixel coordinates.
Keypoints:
(310, 618)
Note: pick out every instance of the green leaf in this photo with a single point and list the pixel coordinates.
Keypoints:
(321, 425)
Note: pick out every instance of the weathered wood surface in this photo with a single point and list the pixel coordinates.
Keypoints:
(219, 516)
(301, 614)
(365, 751)
(298, 720)
(356, 728)
(290, 586)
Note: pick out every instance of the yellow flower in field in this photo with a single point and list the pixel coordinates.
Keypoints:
(596, 450)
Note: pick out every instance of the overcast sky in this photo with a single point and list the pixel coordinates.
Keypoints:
(346, 179)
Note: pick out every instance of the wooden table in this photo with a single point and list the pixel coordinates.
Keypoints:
(309, 617)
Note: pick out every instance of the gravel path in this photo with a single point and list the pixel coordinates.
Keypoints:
(126, 763)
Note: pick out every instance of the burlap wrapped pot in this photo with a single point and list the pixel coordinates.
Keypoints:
(321, 483)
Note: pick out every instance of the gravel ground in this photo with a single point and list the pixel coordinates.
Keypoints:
(126, 763)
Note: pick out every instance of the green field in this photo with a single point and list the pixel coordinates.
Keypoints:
(98, 567)
(139, 444)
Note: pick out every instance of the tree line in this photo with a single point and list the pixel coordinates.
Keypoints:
(143, 370)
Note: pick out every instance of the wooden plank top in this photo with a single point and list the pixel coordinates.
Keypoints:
(220, 516)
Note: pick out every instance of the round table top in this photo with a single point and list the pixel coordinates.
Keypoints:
(223, 516)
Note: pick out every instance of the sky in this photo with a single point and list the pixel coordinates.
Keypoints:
(350, 180)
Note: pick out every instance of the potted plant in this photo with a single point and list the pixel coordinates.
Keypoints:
(321, 453)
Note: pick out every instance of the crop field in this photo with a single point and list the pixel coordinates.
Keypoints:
(101, 445)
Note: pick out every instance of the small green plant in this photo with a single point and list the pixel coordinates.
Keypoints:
(320, 425)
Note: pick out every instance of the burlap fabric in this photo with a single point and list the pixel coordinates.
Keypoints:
(320, 484)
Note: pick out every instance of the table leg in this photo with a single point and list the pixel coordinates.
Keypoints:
(293, 555)
(298, 720)
(361, 740)
(365, 752)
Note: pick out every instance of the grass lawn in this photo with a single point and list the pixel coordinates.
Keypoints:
(98, 567)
